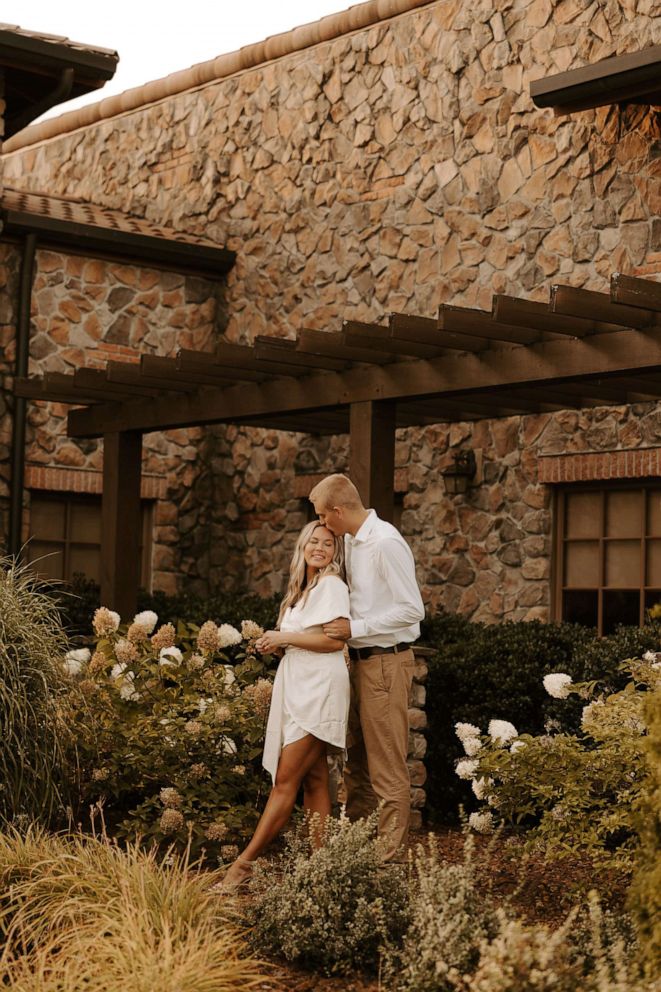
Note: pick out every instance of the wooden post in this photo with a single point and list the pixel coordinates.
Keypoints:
(120, 521)
(372, 456)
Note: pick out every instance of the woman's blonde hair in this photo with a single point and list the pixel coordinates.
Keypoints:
(297, 588)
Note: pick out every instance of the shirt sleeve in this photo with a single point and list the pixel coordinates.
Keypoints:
(327, 601)
(396, 566)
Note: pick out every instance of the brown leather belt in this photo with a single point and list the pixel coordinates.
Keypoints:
(359, 654)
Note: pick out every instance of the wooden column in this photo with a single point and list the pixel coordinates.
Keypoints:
(120, 521)
(372, 457)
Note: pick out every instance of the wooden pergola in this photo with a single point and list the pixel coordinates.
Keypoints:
(582, 349)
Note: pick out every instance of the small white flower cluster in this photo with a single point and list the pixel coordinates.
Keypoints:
(557, 684)
(74, 661)
(653, 658)
(469, 735)
(482, 822)
(466, 768)
(170, 657)
(147, 620)
(127, 690)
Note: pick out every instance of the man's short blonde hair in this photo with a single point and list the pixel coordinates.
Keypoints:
(336, 490)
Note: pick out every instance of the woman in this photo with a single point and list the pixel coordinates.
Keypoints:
(310, 701)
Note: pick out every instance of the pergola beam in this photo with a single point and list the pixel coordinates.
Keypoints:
(624, 352)
(372, 454)
(120, 520)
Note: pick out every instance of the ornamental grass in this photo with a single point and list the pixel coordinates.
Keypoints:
(82, 914)
(35, 742)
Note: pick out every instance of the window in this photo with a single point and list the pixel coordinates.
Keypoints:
(609, 554)
(65, 535)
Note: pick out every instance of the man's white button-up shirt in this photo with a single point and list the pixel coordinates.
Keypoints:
(386, 605)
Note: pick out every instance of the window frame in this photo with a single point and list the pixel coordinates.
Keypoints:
(641, 485)
(65, 544)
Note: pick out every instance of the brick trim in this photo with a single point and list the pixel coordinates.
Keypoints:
(593, 465)
(75, 480)
(304, 484)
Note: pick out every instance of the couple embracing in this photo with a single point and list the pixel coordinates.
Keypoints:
(318, 705)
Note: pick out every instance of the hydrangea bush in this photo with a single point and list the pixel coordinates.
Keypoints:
(172, 729)
(580, 793)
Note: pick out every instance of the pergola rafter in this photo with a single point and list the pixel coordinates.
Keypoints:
(582, 349)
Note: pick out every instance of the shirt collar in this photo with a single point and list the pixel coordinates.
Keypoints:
(365, 528)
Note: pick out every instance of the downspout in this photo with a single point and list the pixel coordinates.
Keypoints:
(20, 404)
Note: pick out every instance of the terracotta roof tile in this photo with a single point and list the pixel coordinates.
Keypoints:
(90, 214)
(57, 39)
(332, 26)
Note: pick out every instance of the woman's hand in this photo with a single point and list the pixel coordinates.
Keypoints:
(270, 641)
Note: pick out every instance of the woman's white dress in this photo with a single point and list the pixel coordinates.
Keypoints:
(311, 688)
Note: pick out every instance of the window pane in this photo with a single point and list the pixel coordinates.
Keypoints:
(654, 512)
(580, 606)
(582, 564)
(85, 523)
(623, 564)
(47, 518)
(653, 576)
(85, 560)
(51, 559)
(583, 514)
(624, 514)
(620, 606)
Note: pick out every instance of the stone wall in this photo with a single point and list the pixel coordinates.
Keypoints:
(9, 278)
(394, 169)
(87, 311)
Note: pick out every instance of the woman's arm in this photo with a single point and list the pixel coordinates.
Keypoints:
(273, 639)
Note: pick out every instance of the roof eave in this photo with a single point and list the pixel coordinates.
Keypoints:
(157, 252)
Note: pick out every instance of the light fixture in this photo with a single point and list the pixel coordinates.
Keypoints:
(458, 475)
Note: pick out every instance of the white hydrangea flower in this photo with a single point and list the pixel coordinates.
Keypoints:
(229, 677)
(466, 768)
(74, 661)
(481, 786)
(228, 635)
(128, 690)
(557, 684)
(516, 746)
(170, 657)
(227, 745)
(464, 730)
(117, 670)
(147, 620)
(471, 745)
(483, 823)
(502, 731)
(203, 704)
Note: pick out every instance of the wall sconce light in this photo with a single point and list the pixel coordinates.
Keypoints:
(462, 472)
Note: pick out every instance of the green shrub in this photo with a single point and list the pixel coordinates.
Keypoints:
(578, 792)
(79, 600)
(332, 909)
(645, 898)
(36, 747)
(480, 672)
(171, 735)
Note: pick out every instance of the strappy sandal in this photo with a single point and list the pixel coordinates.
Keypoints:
(229, 884)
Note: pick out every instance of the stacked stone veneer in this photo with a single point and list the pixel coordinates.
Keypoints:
(394, 168)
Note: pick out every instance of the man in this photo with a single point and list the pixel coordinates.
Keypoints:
(386, 610)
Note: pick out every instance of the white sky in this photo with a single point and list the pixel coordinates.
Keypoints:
(157, 38)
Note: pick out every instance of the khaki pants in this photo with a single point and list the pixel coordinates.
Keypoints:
(376, 769)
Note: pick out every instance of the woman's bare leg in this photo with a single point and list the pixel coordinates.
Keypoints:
(296, 761)
(316, 798)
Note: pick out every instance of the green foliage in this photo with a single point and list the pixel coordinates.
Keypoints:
(579, 792)
(36, 748)
(79, 600)
(645, 897)
(333, 909)
(480, 672)
(171, 737)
